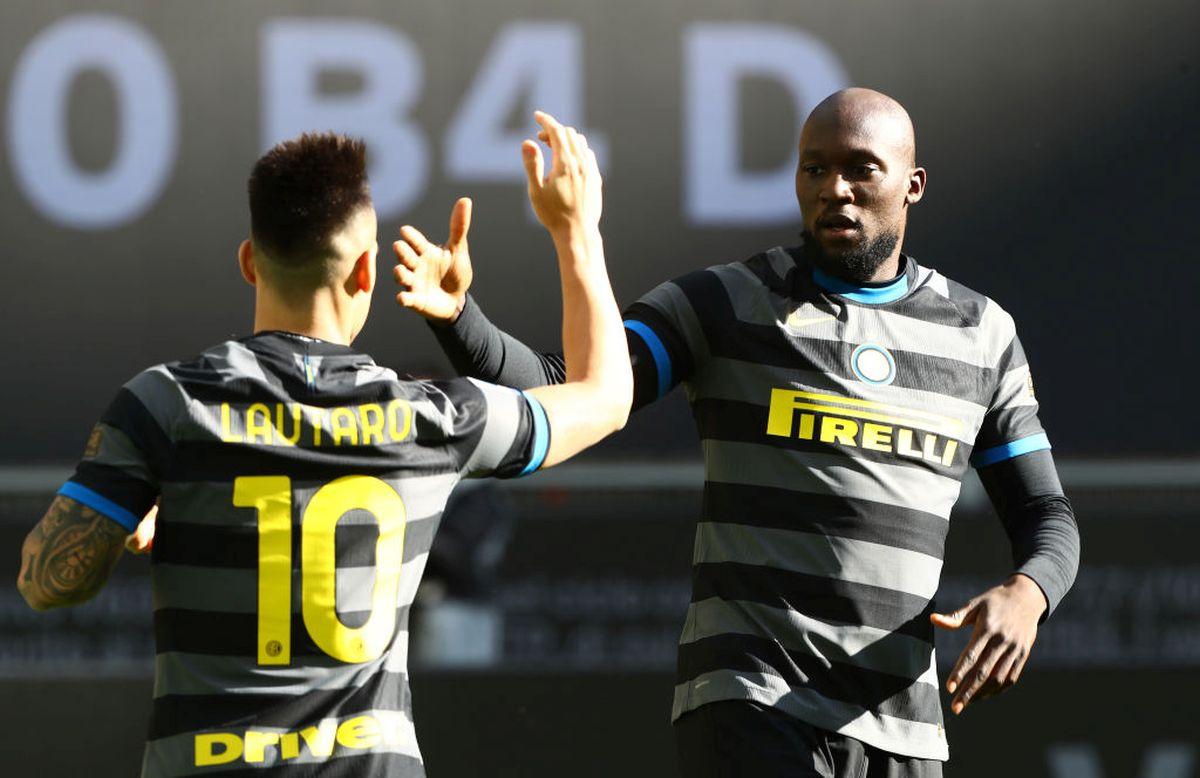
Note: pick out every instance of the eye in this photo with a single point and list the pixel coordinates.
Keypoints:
(864, 171)
(812, 170)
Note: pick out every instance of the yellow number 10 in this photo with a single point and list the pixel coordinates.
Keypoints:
(271, 496)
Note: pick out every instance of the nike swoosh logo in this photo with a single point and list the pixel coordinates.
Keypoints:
(800, 321)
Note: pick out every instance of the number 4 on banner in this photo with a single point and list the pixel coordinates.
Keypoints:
(531, 65)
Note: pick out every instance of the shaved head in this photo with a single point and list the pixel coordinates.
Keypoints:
(868, 113)
(856, 178)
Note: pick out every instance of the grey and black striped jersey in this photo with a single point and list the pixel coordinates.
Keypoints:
(836, 422)
(301, 486)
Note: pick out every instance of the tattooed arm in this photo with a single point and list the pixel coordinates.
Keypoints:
(67, 557)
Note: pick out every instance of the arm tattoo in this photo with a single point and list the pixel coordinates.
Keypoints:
(68, 556)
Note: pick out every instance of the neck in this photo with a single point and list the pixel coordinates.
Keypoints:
(893, 266)
(322, 316)
(888, 270)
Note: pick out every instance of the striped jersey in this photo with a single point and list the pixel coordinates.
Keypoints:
(301, 486)
(836, 423)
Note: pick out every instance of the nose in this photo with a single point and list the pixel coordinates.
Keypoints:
(837, 189)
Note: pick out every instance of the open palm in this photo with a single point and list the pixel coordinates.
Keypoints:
(434, 279)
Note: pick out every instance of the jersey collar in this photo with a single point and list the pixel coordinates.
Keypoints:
(280, 341)
(862, 293)
(869, 294)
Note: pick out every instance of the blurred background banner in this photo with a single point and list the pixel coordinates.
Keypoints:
(1060, 140)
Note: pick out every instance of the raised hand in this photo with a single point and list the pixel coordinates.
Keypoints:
(569, 195)
(433, 279)
(1005, 618)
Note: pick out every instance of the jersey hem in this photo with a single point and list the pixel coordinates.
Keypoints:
(749, 694)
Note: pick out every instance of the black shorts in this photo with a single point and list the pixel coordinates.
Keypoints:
(736, 739)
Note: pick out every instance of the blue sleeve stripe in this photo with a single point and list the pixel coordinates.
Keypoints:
(1016, 448)
(662, 361)
(99, 503)
(541, 434)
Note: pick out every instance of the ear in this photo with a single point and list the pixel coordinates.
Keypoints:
(246, 262)
(362, 277)
(916, 185)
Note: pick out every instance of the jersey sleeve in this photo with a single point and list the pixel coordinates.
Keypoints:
(479, 349)
(1011, 426)
(501, 432)
(666, 340)
(127, 453)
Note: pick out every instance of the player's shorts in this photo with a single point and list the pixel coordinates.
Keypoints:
(742, 739)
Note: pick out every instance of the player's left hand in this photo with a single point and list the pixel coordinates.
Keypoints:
(433, 279)
(1005, 618)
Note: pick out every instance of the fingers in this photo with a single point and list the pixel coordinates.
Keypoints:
(967, 659)
(555, 133)
(587, 157)
(415, 239)
(979, 674)
(1018, 666)
(956, 619)
(556, 137)
(1001, 675)
(460, 223)
(405, 255)
(405, 277)
(531, 156)
(575, 143)
(569, 145)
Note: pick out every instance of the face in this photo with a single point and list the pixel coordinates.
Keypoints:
(854, 183)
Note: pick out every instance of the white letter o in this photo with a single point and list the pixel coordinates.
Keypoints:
(147, 117)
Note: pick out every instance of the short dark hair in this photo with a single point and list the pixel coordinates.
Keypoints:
(302, 192)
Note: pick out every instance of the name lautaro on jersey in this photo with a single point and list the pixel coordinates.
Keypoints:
(296, 424)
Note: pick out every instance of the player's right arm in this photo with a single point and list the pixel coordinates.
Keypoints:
(593, 398)
(68, 555)
(435, 280)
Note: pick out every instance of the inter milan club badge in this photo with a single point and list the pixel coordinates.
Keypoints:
(873, 364)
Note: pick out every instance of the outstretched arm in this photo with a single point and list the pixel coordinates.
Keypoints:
(479, 349)
(434, 281)
(68, 556)
(595, 398)
(591, 397)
